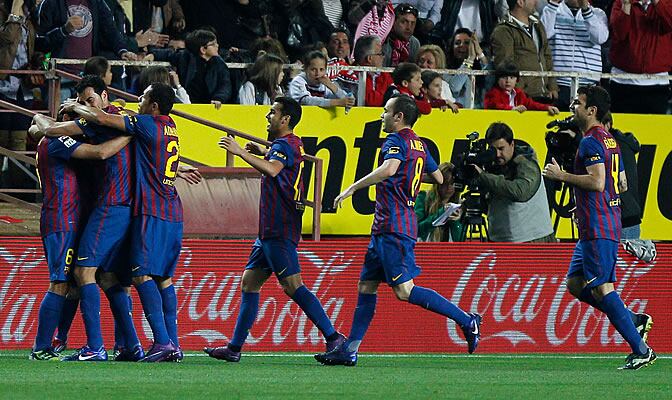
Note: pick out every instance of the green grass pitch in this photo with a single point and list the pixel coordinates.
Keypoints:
(298, 376)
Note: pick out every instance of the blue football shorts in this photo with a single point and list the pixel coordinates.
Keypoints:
(595, 260)
(103, 236)
(59, 249)
(274, 255)
(155, 246)
(390, 258)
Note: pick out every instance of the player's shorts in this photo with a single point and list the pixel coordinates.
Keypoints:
(59, 249)
(155, 246)
(390, 258)
(103, 235)
(120, 263)
(595, 260)
(275, 255)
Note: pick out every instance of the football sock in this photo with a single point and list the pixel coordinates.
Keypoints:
(618, 315)
(48, 316)
(124, 330)
(588, 298)
(89, 305)
(169, 300)
(249, 307)
(67, 316)
(151, 304)
(313, 309)
(429, 299)
(366, 308)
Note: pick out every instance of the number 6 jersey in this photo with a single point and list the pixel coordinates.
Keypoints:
(157, 154)
(395, 196)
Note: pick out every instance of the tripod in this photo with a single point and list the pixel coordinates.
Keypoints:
(474, 223)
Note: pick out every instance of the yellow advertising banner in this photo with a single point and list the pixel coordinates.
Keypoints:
(349, 145)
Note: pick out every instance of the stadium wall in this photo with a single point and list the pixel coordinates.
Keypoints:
(517, 288)
(349, 145)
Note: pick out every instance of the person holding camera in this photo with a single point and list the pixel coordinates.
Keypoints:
(517, 206)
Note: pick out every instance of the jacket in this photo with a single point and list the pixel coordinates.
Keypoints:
(424, 106)
(498, 99)
(443, 31)
(217, 77)
(631, 209)
(10, 37)
(142, 14)
(512, 43)
(374, 95)
(641, 43)
(53, 15)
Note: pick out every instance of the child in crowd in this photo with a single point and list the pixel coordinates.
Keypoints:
(263, 84)
(407, 80)
(157, 74)
(506, 96)
(312, 87)
(431, 90)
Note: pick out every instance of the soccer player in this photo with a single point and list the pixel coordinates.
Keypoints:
(390, 256)
(156, 227)
(59, 222)
(599, 179)
(280, 213)
(104, 235)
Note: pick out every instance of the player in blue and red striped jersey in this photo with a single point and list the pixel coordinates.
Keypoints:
(156, 228)
(599, 179)
(60, 220)
(105, 233)
(280, 213)
(390, 257)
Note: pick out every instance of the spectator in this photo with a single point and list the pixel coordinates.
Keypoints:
(430, 56)
(371, 17)
(161, 16)
(477, 16)
(506, 96)
(338, 46)
(631, 209)
(336, 11)
(203, 71)
(430, 205)
(263, 85)
(401, 46)
(135, 40)
(369, 53)
(641, 43)
(517, 206)
(156, 74)
(464, 52)
(431, 90)
(407, 79)
(575, 32)
(429, 14)
(338, 50)
(312, 87)
(520, 38)
(99, 66)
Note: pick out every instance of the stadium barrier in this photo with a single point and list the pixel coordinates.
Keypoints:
(519, 290)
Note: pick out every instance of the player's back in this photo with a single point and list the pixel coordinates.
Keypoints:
(599, 213)
(395, 196)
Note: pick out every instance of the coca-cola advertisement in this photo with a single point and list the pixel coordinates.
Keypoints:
(517, 288)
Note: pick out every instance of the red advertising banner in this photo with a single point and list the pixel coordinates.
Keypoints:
(519, 290)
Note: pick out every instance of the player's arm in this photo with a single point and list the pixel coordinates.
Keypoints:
(622, 182)
(593, 181)
(388, 168)
(433, 177)
(50, 127)
(101, 151)
(96, 116)
(269, 168)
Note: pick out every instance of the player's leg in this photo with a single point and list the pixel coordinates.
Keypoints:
(70, 306)
(169, 304)
(123, 320)
(169, 246)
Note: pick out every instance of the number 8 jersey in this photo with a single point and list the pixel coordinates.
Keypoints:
(395, 196)
(157, 154)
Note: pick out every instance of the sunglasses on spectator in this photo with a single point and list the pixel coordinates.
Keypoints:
(406, 9)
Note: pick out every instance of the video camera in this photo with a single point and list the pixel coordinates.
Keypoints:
(563, 142)
(466, 177)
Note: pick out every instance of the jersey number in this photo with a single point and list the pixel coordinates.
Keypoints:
(171, 164)
(614, 171)
(297, 193)
(417, 178)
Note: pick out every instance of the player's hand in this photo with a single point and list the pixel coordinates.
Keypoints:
(189, 174)
(338, 201)
(553, 171)
(229, 143)
(255, 148)
(521, 108)
(68, 106)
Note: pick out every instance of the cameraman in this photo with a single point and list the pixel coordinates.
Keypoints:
(517, 205)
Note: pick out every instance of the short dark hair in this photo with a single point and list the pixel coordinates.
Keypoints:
(405, 8)
(340, 30)
(511, 4)
(404, 72)
(290, 107)
(163, 95)
(428, 77)
(92, 81)
(507, 69)
(197, 39)
(364, 46)
(498, 130)
(406, 105)
(311, 55)
(96, 65)
(460, 31)
(608, 119)
(598, 97)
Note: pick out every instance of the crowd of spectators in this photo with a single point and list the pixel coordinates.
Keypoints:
(199, 37)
